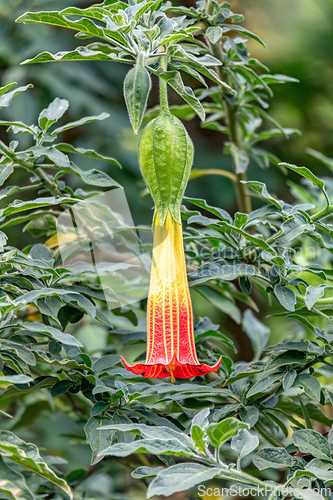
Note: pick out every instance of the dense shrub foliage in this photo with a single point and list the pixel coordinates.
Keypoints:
(259, 423)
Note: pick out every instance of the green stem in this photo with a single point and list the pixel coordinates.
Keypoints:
(264, 433)
(244, 202)
(323, 213)
(164, 86)
(52, 186)
(326, 301)
(243, 198)
(212, 171)
(242, 477)
(209, 7)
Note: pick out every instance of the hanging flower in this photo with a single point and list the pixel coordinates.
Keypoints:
(170, 343)
(166, 157)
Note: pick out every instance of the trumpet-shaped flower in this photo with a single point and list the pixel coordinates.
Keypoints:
(170, 341)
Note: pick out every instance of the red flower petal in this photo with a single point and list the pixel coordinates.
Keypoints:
(179, 371)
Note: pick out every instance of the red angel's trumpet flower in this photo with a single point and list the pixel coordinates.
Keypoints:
(170, 343)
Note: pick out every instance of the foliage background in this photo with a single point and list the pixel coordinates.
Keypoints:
(298, 36)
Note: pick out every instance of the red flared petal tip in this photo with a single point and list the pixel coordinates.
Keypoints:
(180, 371)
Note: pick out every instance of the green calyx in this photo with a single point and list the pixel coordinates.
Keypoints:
(137, 86)
(166, 157)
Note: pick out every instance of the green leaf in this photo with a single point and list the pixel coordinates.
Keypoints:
(93, 177)
(37, 203)
(201, 418)
(275, 132)
(56, 19)
(99, 407)
(272, 458)
(220, 270)
(142, 472)
(312, 294)
(198, 436)
(6, 380)
(90, 153)
(199, 424)
(150, 446)
(264, 384)
(7, 87)
(221, 432)
(240, 29)
(13, 484)
(240, 219)
(81, 121)
(249, 415)
(105, 363)
(174, 79)
(293, 228)
(287, 358)
(240, 157)
(328, 162)
(98, 438)
(191, 63)
(96, 12)
(3, 241)
(137, 86)
(79, 54)
(7, 97)
(244, 443)
(305, 172)
(214, 33)
(50, 331)
(57, 157)
(5, 172)
(306, 415)
(289, 406)
(310, 384)
(219, 212)
(18, 126)
(256, 331)
(312, 442)
(52, 113)
(27, 456)
(180, 477)
(261, 188)
(289, 379)
(286, 296)
(152, 432)
(73, 298)
(61, 387)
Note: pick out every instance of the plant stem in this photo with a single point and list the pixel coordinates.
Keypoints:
(323, 213)
(163, 87)
(52, 186)
(244, 202)
(264, 433)
(209, 6)
(326, 301)
(212, 171)
(243, 197)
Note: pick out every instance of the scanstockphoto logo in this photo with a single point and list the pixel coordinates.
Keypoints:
(271, 492)
(97, 238)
